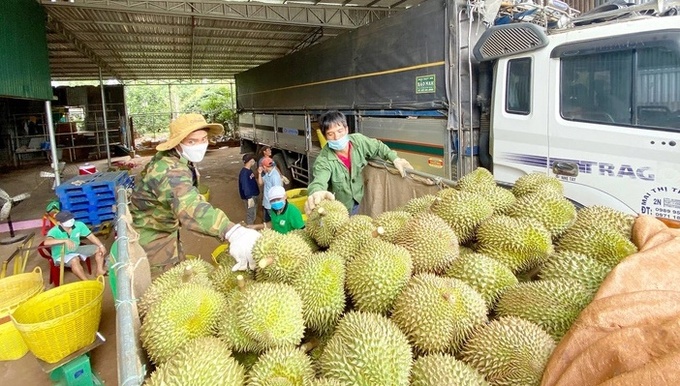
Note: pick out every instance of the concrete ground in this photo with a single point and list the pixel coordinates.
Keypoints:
(219, 170)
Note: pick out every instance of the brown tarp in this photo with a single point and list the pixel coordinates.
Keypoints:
(630, 333)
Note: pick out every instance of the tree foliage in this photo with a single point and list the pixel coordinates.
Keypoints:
(151, 106)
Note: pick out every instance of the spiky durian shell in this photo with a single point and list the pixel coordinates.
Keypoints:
(444, 369)
(325, 221)
(367, 349)
(431, 242)
(418, 205)
(352, 236)
(271, 314)
(202, 361)
(509, 351)
(281, 366)
(555, 212)
(320, 281)
(518, 243)
(602, 216)
(571, 265)
(489, 277)
(225, 280)
(463, 211)
(189, 271)
(377, 275)
(535, 182)
(448, 306)
(185, 313)
(279, 256)
(552, 304)
(603, 244)
(229, 331)
(391, 222)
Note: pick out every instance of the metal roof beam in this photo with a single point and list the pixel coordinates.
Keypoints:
(152, 37)
(292, 14)
(170, 25)
(59, 28)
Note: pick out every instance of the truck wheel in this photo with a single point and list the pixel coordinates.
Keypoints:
(285, 171)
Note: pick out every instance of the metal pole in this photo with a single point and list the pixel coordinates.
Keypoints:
(53, 143)
(106, 125)
(130, 362)
(172, 113)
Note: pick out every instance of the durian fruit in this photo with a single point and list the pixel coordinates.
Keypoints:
(555, 212)
(189, 271)
(279, 255)
(352, 236)
(481, 181)
(229, 330)
(444, 369)
(571, 265)
(464, 250)
(536, 182)
(271, 314)
(225, 280)
(603, 244)
(418, 205)
(366, 350)
(391, 222)
(202, 361)
(377, 275)
(485, 275)
(437, 314)
(320, 282)
(551, 304)
(282, 366)
(185, 313)
(478, 180)
(463, 211)
(509, 351)
(325, 221)
(306, 237)
(518, 243)
(432, 243)
(602, 216)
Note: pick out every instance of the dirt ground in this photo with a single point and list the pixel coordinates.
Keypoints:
(219, 170)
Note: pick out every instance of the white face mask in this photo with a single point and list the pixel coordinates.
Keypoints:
(68, 223)
(194, 153)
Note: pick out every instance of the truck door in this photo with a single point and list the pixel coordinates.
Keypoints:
(614, 122)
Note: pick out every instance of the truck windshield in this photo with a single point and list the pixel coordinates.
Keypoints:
(636, 87)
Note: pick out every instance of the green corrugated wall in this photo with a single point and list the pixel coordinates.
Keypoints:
(24, 59)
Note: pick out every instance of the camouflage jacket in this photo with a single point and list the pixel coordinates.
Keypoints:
(167, 197)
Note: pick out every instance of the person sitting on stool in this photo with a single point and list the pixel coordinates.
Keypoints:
(67, 234)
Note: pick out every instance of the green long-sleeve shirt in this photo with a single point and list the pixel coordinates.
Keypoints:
(330, 173)
(167, 197)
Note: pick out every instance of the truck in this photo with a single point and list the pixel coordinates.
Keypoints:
(592, 99)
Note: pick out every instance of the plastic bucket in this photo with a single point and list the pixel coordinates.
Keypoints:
(87, 169)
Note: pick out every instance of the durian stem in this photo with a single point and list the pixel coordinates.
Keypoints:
(321, 211)
(379, 231)
(447, 296)
(266, 262)
(241, 282)
(309, 346)
(187, 274)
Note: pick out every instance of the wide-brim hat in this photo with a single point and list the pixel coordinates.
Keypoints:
(186, 124)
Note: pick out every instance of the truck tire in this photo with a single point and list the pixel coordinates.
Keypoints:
(285, 171)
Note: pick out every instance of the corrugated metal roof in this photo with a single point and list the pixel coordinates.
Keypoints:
(198, 39)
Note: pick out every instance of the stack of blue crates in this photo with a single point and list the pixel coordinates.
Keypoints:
(92, 197)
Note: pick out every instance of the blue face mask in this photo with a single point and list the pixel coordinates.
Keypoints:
(278, 205)
(339, 144)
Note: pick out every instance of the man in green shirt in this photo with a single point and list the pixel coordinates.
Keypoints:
(338, 168)
(64, 238)
(167, 198)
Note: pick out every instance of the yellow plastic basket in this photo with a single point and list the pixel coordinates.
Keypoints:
(12, 346)
(61, 321)
(298, 197)
(18, 288)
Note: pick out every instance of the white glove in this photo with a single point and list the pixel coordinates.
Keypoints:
(241, 242)
(315, 198)
(251, 202)
(402, 164)
(285, 180)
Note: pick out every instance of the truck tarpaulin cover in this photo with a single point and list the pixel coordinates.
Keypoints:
(630, 333)
(395, 63)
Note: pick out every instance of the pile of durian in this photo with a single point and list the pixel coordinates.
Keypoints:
(472, 286)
